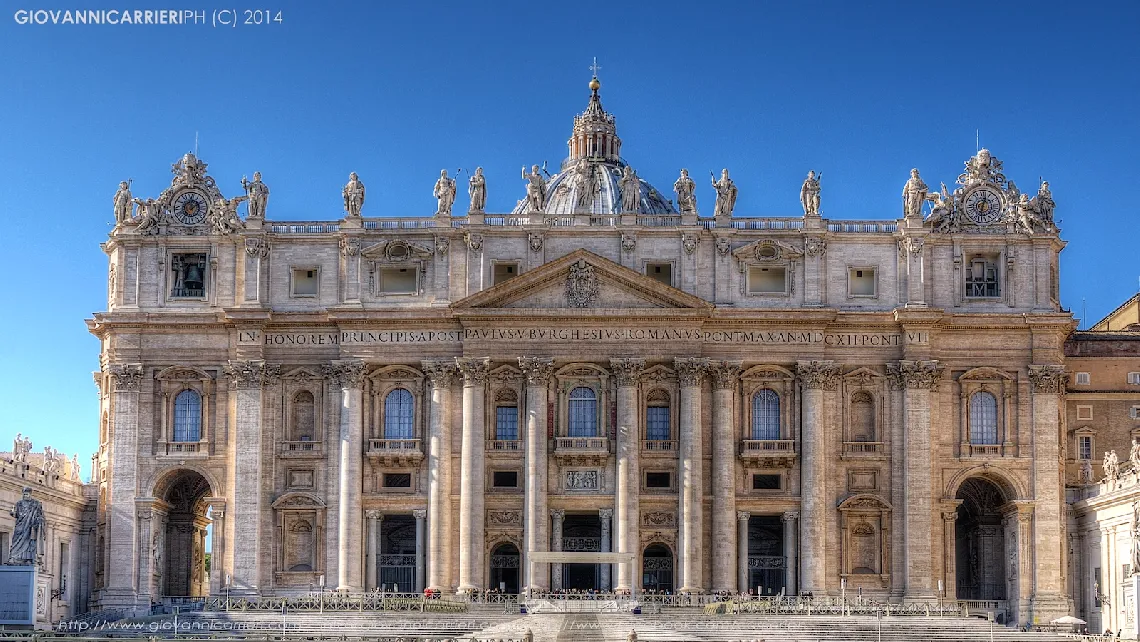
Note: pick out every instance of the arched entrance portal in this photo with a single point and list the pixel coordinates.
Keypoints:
(657, 569)
(179, 544)
(979, 541)
(505, 568)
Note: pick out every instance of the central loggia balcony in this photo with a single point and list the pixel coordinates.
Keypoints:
(303, 448)
(769, 453)
(187, 449)
(395, 452)
(503, 445)
(659, 447)
(582, 450)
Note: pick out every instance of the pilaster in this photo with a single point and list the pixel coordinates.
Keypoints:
(627, 501)
(816, 378)
(348, 377)
(1047, 384)
(120, 589)
(691, 373)
(442, 375)
(471, 536)
(725, 377)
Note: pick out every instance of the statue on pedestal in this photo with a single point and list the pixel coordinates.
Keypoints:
(148, 213)
(477, 190)
(535, 190)
(123, 202)
(21, 446)
(28, 533)
(686, 193)
(223, 216)
(444, 193)
(353, 193)
(913, 194)
(630, 186)
(1135, 537)
(1111, 468)
(1043, 203)
(258, 195)
(725, 194)
(809, 194)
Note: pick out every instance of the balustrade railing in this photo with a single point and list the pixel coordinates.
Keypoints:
(985, 450)
(296, 447)
(767, 446)
(874, 227)
(402, 445)
(659, 445)
(582, 443)
(658, 221)
(862, 447)
(768, 224)
(185, 448)
(503, 444)
(399, 223)
(304, 227)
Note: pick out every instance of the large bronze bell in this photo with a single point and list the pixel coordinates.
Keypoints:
(193, 280)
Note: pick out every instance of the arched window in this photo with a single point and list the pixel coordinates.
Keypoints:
(657, 416)
(399, 411)
(766, 415)
(304, 417)
(187, 416)
(983, 418)
(583, 413)
(862, 417)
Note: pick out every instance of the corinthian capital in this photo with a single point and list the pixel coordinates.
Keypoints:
(348, 373)
(246, 375)
(818, 375)
(1048, 379)
(473, 369)
(127, 377)
(725, 374)
(923, 375)
(537, 370)
(442, 373)
(627, 371)
(690, 370)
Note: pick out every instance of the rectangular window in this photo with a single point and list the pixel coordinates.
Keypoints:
(861, 282)
(1084, 413)
(1084, 447)
(982, 277)
(398, 280)
(507, 423)
(188, 276)
(1134, 412)
(661, 272)
(397, 480)
(657, 423)
(305, 281)
(1083, 379)
(1134, 378)
(765, 482)
(658, 480)
(505, 479)
(767, 280)
(504, 272)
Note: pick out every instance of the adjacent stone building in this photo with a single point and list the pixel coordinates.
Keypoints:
(742, 403)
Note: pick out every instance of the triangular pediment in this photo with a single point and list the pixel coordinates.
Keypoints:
(582, 281)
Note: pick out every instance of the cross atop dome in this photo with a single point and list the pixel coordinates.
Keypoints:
(595, 132)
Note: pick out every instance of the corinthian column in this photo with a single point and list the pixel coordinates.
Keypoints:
(628, 536)
(442, 375)
(122, 550)
(691, 373)
(724, 376)
(816, 378)
(348, 376)
(471, 537)
(916, 379)
(1048, 519)
(537, 372)
(246, 380)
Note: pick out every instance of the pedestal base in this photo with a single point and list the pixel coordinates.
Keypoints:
(18, 603)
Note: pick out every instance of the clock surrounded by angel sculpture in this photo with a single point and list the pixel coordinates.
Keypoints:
(190, 208)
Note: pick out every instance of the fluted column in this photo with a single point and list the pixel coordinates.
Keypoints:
(556, 516)
(815, 378)
(442, 375)
(471, 536)
(691, 372)
(420, 516)
(724, 375)
(742, 517)
(371, 560)
(535, 519)
(1047, 527)
(348, 375)
(122, 551)
(916, 379)
(605, 515)
(790, 532)
(626, 501)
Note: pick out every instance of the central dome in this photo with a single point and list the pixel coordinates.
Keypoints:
(588, 182)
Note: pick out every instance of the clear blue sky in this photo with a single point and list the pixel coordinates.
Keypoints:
(861, 91)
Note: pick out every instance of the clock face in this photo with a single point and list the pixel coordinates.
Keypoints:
(190, 208)
(983, 207)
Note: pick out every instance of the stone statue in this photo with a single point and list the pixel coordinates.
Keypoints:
(1026, 219)
(1043, 203)
(28, 533)
(1086, 472)
(1135, 531)
(123, 202)
(809, 194)
(223, 216)
(913, 194)
(725, 194)
(1134, 455)
(75, 467)
(630, 186)
(535, 190)
(942, 213)
(258, 195)
(1111, 467)
(477, 190)
(686, 193)
(21, 446)
(50, 464)
(587, 187)
(148, 214)
(444, 193)
(353, 196)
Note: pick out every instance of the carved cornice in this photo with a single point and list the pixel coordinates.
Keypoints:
(473, 369)
(818, 375)
(257, 247)
(916, 375)
(537, 370)
(725, 374)
(627, 371)
(127, 377)
(248, 375)
(345, 374)
(441, 373)
(690, 370)
(1048, 379)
